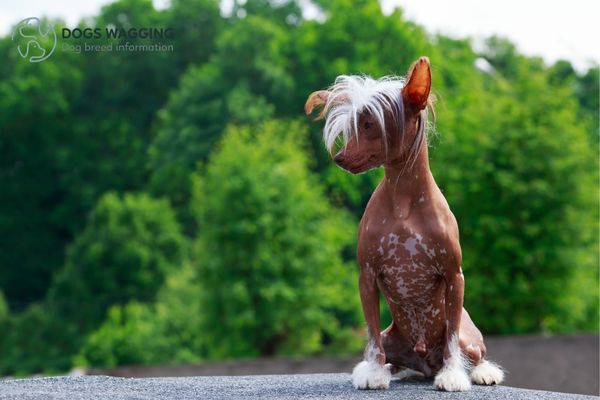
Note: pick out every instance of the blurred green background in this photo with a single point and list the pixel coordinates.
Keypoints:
(169, 207)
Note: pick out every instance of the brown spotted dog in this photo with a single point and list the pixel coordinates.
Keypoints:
(408, 245)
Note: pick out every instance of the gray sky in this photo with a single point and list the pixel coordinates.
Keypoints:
(551, 29)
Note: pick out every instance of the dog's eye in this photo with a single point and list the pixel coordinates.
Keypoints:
(367, 124)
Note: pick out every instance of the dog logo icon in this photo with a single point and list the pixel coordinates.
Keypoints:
(36, 40)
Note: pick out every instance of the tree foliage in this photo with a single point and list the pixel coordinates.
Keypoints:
(125, 252)
(127, 249)
(268, 248)
(523, 194)
(145, 333)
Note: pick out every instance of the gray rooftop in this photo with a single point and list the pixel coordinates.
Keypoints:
(313, 386)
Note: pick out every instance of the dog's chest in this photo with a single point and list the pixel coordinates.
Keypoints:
(409, 269)
(407, 261)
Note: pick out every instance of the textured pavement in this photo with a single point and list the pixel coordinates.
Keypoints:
(309, 386)
(564, 363)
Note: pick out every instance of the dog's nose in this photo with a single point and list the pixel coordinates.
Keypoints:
(339, 157)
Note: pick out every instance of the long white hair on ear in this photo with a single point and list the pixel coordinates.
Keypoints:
(350, 95)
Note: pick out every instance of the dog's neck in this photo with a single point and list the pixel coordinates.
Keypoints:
(406, 186)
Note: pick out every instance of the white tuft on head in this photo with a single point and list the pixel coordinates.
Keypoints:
(351, 95)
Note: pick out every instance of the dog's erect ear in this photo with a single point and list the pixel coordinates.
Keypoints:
(416, 90)
(316, 99)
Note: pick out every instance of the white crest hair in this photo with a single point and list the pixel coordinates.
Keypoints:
(350, 95)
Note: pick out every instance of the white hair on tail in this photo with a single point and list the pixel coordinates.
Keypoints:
(351, 95)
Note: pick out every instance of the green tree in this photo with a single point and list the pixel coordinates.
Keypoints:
(4, 309)
(520, 181)
(129, 245)
(129, 335)
(71, 129)
(268, 251)
(587, 91)
(196, 24)
(287, 12)
(35, 113)
(36, 340)
(242, 83)
(167, 331)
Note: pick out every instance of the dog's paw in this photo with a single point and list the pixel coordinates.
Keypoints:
(454, 379)
(368, 375)
(487, 373)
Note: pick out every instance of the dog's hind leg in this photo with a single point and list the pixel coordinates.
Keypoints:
(484, 372)
(394, 349)
(392, 346)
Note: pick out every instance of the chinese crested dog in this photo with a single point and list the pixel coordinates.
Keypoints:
(408, 242)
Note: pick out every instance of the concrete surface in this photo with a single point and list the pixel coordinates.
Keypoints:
(321, 386)
(566, 363)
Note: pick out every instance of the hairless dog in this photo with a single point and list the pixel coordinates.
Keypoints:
(408, 242)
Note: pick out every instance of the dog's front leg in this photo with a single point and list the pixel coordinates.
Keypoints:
(453, 376)
(371, 373)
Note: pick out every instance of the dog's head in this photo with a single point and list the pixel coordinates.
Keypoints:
(378, 121)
